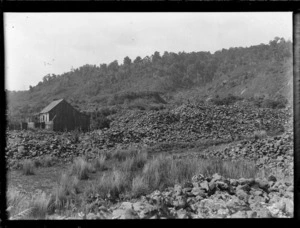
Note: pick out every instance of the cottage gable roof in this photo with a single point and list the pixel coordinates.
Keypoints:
(51, 106)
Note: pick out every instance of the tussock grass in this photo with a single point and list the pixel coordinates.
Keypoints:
(135, 173)
(17, 203)
(81, 168)
(21, 206)
(121, 155)
(157, 172)
(99, 163)
(47, 161)
(40, 206)
(28, 167)
(136, 163)
(112, 184)
(66, 187)
(139, 186)
(228, 169)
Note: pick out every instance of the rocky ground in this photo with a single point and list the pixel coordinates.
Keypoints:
(203, 197)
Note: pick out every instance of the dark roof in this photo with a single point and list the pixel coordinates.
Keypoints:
(51, 106)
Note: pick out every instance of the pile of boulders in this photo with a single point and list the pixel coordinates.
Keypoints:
(188, 123)
(271, 152)
(35, 144)
(206, 197)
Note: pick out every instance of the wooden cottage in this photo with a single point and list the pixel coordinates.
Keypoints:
(59, 115)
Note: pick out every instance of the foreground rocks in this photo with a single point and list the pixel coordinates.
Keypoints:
(206, 197)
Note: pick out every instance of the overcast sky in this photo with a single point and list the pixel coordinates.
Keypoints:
(40, 43)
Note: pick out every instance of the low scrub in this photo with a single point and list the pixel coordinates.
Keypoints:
(28, 167)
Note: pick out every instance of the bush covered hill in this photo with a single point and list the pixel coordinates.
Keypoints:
(263, 70)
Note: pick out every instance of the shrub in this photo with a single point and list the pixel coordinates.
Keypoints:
(28, 167)
(81, 168)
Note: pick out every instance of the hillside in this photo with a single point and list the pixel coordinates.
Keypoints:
(261, 70)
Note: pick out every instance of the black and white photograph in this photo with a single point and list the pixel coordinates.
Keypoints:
(154, 115)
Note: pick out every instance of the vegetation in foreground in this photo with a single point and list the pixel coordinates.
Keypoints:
(130, 173)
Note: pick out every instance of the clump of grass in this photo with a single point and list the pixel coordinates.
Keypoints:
(81, 168)
(99, 163)
(228, 169)
(260, 134)
(17, 203)
(121, 155)
(40, 205)
(47, 161)
(136, 163)
(183, 170)
(139, 186)
(28, 167)
(112, 184)
(66, 187)
(157, 172)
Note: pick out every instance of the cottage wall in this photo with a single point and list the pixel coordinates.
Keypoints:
(65, 117)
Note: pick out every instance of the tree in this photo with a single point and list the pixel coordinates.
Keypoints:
(113, 66)
(137, 60)
(127, 61)
(156, 57)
